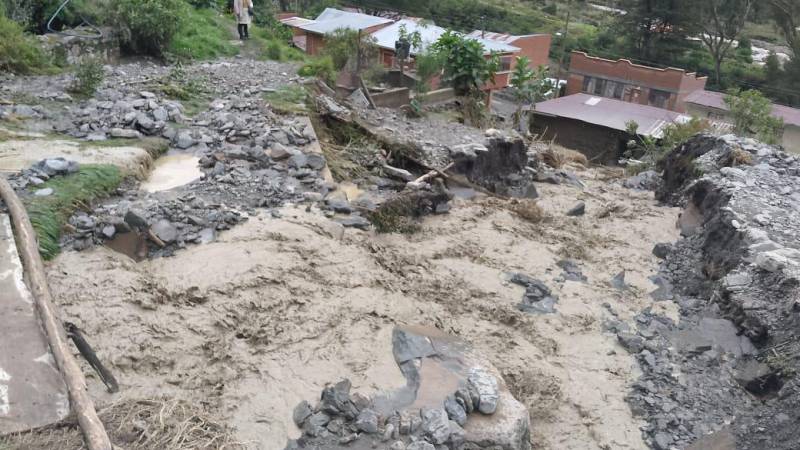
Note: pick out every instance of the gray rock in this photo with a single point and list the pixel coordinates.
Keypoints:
(618, 282)
(420, 445)
(457, 435)
(435, 425)
(537, 298)
(24, 111)
(280, 152)
(301, 412)
(407, 346)
(122, 133)
(648, 180)
(632, 343)
(109, 231)
(184, 140)
(662, 250)
(339, 206)
(455, 411)
(165, 231)
(367, 421)
(336, 400)
(662, 441)
(354, 221)
(147, 94)
(572, 272)
(44, 192)
(160, 114)
(578, 210)
(298, 161)
(315, 161)
(144, 122)
(486, 386)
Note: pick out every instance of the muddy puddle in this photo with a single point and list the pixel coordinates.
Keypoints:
(171, 171)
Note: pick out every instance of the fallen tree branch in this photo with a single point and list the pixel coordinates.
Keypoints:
(93, 431)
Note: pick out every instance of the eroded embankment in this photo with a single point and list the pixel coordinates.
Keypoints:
(725, 374)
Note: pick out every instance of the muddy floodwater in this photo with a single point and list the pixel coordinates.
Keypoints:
(171, 171)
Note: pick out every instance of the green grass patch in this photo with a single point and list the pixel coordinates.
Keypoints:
(203, 34)
(49, 214)
(265, 46)
(289, 99)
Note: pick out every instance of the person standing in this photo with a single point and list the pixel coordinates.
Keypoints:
(243, 10)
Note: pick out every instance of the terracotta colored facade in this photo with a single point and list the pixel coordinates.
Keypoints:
(623, 80)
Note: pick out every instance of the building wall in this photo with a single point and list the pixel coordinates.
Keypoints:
(600, 144)
(642, 84)
(791, 133)
(314, 43)
(535, 47)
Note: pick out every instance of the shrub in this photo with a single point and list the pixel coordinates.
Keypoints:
(343, 44)
(752, 116)
(88, 77)
(321, 68)
(275, 51)
(19, 53)
(148, 26)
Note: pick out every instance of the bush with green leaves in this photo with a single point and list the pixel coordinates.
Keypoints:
(89, 76)
(752, 116)
(148, 26)
(20, 53)
(321, 67)
(274, 51)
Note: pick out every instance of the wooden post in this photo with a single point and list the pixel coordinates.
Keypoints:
(94, 433)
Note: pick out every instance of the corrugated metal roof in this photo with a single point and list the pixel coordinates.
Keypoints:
(611, 113)
(430, 33)
(332, 19)
(716, 100)
(296, 21)
(492, 36)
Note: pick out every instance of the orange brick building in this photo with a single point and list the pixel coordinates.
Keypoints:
(623, 80)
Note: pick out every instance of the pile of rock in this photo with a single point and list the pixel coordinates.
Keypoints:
(116, 114)
(42, 171)
(166, 224)
(341, 418)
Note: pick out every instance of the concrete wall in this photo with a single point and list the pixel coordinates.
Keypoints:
(639, 80)
(73, 49)
(437, 96)
(393, 98)
(791, 133)
(599, 144)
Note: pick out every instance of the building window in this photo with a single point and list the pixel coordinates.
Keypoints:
(600, 87)
(658, 98)
(588, 84)
(619, 90)
(505, 63)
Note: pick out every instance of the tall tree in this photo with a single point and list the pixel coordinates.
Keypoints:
(653, 29)
(720, 23)
(787, 16)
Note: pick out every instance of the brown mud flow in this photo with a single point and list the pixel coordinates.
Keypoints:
(262, 318)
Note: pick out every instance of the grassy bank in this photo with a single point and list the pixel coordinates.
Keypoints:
(203, 34)
(49, 214)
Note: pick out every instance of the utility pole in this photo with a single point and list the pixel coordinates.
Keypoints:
(563, 49)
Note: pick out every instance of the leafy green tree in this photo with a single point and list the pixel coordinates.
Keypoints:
(752, 116)
(720, 23)
(148, 26)
(529, 87)
(466, 66)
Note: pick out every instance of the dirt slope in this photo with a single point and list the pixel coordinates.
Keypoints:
(262, 318)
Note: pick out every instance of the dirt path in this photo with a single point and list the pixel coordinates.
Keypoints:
(262, 318)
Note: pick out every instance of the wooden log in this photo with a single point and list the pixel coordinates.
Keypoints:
(94, 433)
